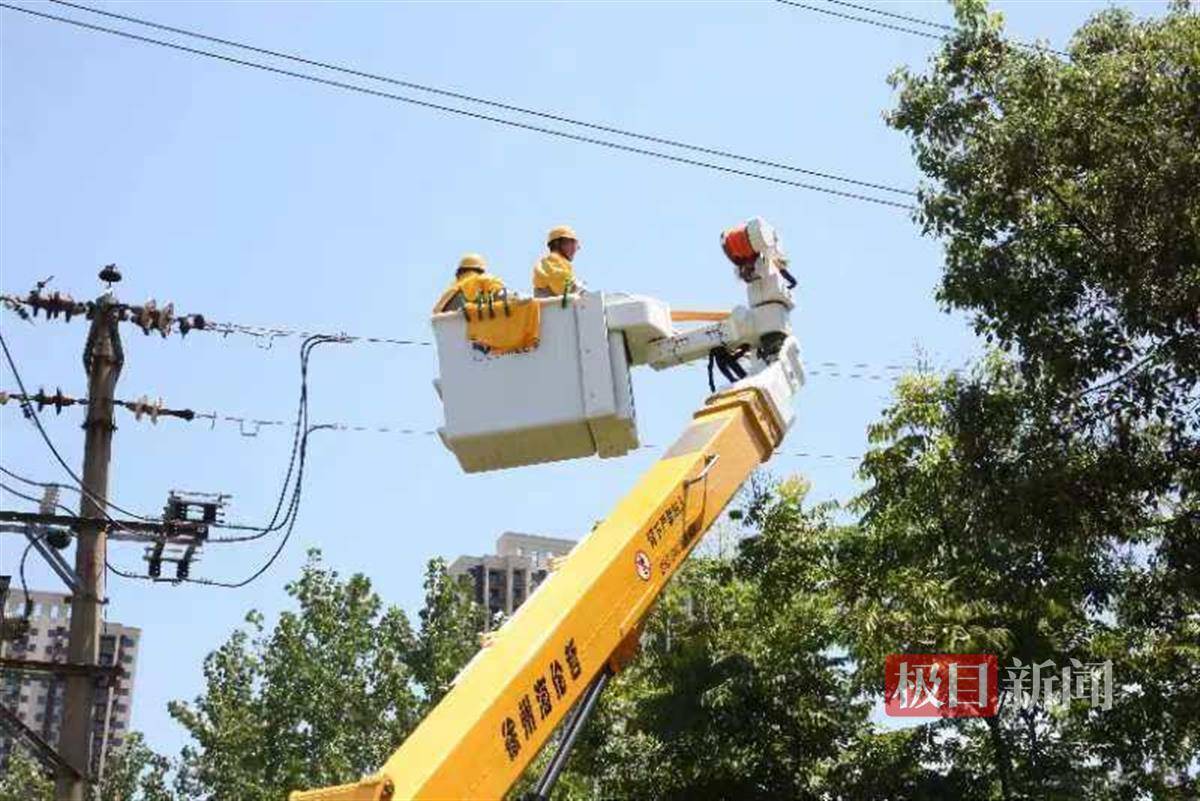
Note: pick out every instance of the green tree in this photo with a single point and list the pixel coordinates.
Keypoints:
(450, 625)
(1045, 505)
(24, 779)
(328, 694)
(1067, 194)
(132, 772)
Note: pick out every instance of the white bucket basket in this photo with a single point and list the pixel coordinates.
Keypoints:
(569, 397)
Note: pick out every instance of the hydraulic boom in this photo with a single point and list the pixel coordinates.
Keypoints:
(584, 621)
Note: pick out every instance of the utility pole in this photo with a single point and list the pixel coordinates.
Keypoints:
(102, 360)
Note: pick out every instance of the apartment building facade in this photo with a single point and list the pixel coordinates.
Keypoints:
(36, 698)
(502, 581)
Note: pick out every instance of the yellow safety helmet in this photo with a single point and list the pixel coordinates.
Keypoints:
(561, 232)
(472, 261)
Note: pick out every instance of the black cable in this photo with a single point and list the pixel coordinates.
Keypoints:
(298, 450)
(866, 20)
(21, 570)
(483, 101)
(33, 483)
(294, 512)
(7, 488)
(463, 112)
(31, 413)
(883, 13)
(889, 26)
(298, 461)
(31, 498)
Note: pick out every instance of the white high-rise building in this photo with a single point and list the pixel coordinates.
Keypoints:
(37, 698)
(503, 580)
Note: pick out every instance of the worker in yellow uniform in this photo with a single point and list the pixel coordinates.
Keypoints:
(471, 282)
(554, 275)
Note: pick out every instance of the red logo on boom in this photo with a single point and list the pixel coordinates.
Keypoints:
(641, 563)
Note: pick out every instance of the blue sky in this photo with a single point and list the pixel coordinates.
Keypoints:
(259, 199)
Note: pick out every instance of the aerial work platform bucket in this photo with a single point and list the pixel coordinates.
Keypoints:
(567, 396)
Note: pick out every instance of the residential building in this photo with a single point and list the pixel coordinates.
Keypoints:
(37, 698)
(503, 580)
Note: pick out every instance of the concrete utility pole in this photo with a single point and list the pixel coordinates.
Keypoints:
(102, 359)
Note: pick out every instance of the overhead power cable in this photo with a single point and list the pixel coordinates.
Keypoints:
(292, 484)
(251, 427)
(31, 498)
(950, 29)
(467, 113)
(30, 413)
(266, 336)
(296, 462)
(867, 20)
(504, 106)
(296, 465)
(32, 483)
(892, 14)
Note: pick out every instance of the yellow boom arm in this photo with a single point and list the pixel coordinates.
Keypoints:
(584, 619)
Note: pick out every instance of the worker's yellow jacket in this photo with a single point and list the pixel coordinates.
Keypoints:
(552, 274)
(466, 290)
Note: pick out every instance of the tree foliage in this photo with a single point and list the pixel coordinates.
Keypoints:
(328, 694)
(1067, 194)
(24, 779)
(132, 772)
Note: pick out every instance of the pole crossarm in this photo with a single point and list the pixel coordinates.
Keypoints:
(41, 749)
(109, 673)
(121, 529)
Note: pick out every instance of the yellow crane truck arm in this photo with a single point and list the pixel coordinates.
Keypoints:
(549, 662)
(583, 620)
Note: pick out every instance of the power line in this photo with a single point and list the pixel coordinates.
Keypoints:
(659, 140)
(916, 20)
(164, 321)
(32, 415)
(867, 20)
(256, 425)
(31, 498)
(296, 461)
(272, 333)
(269, 334)
(465, 113)
(32, 483)
(891, 14)
(296, 466)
